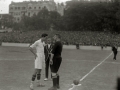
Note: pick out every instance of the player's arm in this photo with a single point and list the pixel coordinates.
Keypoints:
(31, 48)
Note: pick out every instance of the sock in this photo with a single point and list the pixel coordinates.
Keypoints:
(58, 77)
(33, 77)
(55, 81)
(38, 76)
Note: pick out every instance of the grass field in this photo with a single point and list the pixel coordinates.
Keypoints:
(17, 65)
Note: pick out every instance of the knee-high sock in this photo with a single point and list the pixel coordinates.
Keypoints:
(58, 78)
(54, 81)
(38, 76)
(33, 77)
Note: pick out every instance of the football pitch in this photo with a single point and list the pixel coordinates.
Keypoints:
(95, 68)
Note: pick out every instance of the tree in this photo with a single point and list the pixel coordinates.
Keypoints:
(7, 21)
(92, 16)
(42, 21)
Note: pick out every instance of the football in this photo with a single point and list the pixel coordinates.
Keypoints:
(75, 82)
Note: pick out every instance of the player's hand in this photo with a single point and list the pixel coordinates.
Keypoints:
(51, 62)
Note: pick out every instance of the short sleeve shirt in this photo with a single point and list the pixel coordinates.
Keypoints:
(39, 46)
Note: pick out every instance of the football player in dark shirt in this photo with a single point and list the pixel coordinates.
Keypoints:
(114, 49)
(55, 61)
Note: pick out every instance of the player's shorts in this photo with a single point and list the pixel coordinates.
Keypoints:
(56, 64)
(39, 61)
(115, 52)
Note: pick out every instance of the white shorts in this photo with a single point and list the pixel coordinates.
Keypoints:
(39, 60)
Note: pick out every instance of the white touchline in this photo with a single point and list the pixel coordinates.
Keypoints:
(95, 67)
(91, 71)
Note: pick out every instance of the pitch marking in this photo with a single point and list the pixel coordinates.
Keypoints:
(95, 67)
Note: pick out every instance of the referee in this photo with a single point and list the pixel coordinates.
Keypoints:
(55, 61)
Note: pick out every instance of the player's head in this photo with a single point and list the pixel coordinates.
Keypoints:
(44, 36)
(49, 41)
(57, 37)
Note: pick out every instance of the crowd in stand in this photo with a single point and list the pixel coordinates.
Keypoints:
(68, 37)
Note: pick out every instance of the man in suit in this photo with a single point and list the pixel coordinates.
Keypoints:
(47, 51)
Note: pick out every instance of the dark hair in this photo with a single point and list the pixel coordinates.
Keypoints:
(58, 35)
(44, 35)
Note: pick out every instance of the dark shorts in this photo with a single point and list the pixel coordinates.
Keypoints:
(115, 52)
(56, 64)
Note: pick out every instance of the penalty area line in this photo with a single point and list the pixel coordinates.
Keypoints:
(95, 67)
